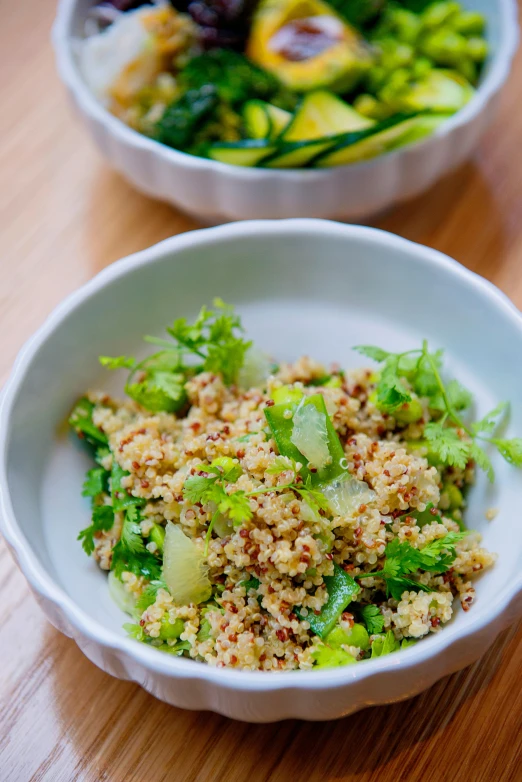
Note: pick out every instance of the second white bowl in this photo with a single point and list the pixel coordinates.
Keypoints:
(214, 191)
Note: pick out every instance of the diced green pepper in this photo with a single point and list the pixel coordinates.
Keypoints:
(284, 395)
(341, 590)
(282, 427)
(326, 657)
(169, 630)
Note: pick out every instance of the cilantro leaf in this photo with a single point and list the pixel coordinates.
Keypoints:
(375, 353)
(458, 397)
(117, 362)
(102, 521)
(489, 423)
(402, 560)
(199, 488)
(372, 618)
(483, 461)
(148, 596)
(236, 506)
(121, 498)
(96, 482)
(81, 421)
(510, 450)
(391, 391)
(445, 442)
(281, 464)
(130, 553)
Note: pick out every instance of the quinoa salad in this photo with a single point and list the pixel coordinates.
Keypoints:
(279, 517)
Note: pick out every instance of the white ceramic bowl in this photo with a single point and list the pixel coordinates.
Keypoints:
(302, 286)
(213, 191)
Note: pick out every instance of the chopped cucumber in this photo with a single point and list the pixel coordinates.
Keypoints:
(321, 114)
(395, 133)
(241, 153)
(297, 154)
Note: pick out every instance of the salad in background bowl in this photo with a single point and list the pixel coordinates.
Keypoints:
(290, 130)
(284, 83)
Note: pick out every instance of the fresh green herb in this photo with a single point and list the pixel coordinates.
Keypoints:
(210, 486)
(130, 554)
(373, 619)
(385, 644)
(102, 521)
(449, 438)
(402, 560)
(214, 340)
(251, 583)
(121, 499)
(81, 421)
(149, 594)
(96, 482)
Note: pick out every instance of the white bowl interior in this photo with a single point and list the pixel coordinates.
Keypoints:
(312, 291)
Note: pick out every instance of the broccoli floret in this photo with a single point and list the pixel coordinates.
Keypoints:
(234, 77)
(186, 115)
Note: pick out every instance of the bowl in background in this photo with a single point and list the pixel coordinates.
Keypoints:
(301, 286)
(214, 191)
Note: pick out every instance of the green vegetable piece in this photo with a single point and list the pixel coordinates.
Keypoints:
(96, 482)
(159, 391)
(454, 494)
(285, 395)
(372, 618)
(358, 12)
(407, 642)
(252, 583)
(205, 631)
(430, 454)
(157, 536)
(438, 14)
(282, 428)
(423, 517)
(102, 520)
(185, 115)
(169, 630)
(469, 23)
(444, 47)
(477, 49)
(385, 644)
(341, 590)
(229, 469)
(357, 636)
(81, 421)
(409, 412)
(121, 499)
(326, 657)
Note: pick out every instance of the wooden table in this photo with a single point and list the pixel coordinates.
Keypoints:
(64, 217)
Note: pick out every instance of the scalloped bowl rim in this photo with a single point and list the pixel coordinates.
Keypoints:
(70, 75)
(151, 659)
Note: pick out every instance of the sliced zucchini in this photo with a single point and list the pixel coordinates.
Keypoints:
(389, 135)
(262, 120)
(298, 154)
(241, 153)
(321, 114)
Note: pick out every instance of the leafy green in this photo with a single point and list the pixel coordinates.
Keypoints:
(402, 560)
(102, 521)
(372, 618)
(185, 115)
(121, 499)
(130, 554)
(149, 594)
(214, 340)
(81, 421)
(96, 482)
(328, 657)
(385, 644)
(234, 78)
(450, 439)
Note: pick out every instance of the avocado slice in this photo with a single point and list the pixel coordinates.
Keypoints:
(307, 45)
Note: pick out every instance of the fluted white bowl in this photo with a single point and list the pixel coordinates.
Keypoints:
(301, 286)
(215, 191)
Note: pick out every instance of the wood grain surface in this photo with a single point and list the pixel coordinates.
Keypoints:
(63, 216)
